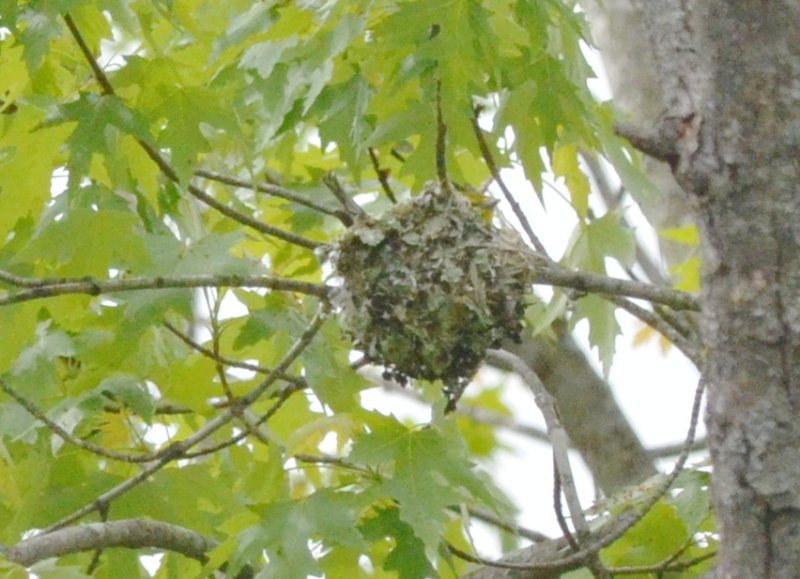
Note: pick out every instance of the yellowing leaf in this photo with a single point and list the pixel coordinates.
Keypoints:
(565, 164)
(688, 274)
(686, 235)
(114, 431)
(307, 438)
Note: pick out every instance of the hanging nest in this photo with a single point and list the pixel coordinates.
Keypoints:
(429, 287)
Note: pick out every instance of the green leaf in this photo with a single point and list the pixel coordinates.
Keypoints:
(565, 164)
(603, 326)
(41, 26)
(129, 391)
(407, 555)
(95, 244)
(602, 238)
(95, 116)
(279, 315)
(341, 108)
(431, 473)
(25, 186)
(328, 372)
(656, 537)
(288, 527)
(692, 498)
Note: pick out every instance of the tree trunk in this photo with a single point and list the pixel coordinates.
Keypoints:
(730, 72)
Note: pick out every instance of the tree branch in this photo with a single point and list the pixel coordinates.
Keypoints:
(40, 415)
(548, 557)
(351, 208)
(179, 449)
(129, 533)
(555, 432)
(560, 444)
(651, 142)
(170, 173)
(555, 275)
(275, 191)
(39, 289)
(486, 153)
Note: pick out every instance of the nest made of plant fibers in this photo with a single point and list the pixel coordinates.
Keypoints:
(427, 288)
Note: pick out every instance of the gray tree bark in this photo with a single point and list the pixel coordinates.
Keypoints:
(727, 104)
(730, 76)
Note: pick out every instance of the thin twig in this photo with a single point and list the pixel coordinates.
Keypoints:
(40, 415)
(99, 73)
(333, 462)
(280, 399)
(216, 334)
(96, 287)
(352, 208)
(560, 519)
(688, 347)
(274, 190)
(513, 528)
(244, 219)
(441, 140)
(382, 174)
(170, 173)
(298, 381)
(663, 568)
(558, 436)
(28, 282)
(515, 207)
(98, 552)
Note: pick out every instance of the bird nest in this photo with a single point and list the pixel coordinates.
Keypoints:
(429, 287)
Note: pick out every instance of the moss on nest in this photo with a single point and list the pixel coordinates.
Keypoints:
(429, 287)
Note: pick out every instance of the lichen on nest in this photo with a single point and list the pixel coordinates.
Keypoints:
(430, 286)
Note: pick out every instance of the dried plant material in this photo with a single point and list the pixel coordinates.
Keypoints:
(429, 287)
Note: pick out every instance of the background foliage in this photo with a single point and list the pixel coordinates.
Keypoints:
(120, 182)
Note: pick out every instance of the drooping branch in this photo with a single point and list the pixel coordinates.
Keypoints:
(45, 288)
(555, 432)
(560, 444)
